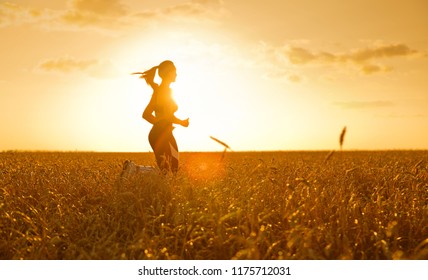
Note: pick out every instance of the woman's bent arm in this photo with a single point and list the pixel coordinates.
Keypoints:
(184, 123)
(148, 112)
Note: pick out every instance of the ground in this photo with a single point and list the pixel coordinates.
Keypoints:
(259, 205)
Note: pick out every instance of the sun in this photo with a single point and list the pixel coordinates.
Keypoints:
(197, 95)
(215, 100)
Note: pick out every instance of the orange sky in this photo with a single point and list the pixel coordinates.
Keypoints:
(259, 75)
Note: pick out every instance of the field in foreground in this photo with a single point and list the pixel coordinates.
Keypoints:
(284, 205)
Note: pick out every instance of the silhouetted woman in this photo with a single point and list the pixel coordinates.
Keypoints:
(160, 112)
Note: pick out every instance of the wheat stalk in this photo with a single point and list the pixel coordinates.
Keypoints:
(224, 145)
(221, 142)
(342, 137)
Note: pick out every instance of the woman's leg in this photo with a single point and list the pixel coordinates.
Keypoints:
(173, 153)
(165, 148)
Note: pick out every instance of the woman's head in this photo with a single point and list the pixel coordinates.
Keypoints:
(167, 71)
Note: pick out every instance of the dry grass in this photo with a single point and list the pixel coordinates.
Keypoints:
(298, 205)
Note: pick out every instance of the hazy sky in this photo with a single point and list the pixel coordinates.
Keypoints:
(259, 75)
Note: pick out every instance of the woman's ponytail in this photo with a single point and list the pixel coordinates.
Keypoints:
(163, 70)
(149, 76)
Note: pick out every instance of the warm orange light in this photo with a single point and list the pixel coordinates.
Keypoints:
(204, 166)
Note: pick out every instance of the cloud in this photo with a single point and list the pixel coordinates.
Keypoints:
(11, 13)
(372, 68)
(364, 104)
(100, 7)
(296, 62)
(387, 51)
(362, 58)
(6, 14)
(206, 11)
(193, 8)
(66, 65)
(107, 15)
(298, 55)
(282, 75)
(100, 13)
(95, 68)
(273, 64)
(79, 12)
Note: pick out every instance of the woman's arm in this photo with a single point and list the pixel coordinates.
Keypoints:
(148, 112)
(176, 120)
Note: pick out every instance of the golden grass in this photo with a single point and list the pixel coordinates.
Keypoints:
(296, 205)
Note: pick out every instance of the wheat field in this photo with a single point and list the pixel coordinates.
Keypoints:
(259, 205)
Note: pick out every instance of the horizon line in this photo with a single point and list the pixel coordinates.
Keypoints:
(211, 151)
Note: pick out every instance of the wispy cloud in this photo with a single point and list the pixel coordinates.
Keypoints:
(298, 55)
(98, 7)
(288, 62)
(373, 68)
(191, 11)
(106, 14)
(365, 58)
(92, 67)
(66, 65)
(284, 75)
(11, 13)
(194, 8)
(364, 104)
(272, 62)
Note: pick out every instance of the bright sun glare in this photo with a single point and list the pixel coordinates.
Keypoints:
(198, 97)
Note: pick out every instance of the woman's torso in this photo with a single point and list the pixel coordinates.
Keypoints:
(165, 105)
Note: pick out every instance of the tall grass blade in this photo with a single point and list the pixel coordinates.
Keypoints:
(342, 137)
(220, 142)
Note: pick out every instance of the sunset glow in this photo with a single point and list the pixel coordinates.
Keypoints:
(259, 75)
